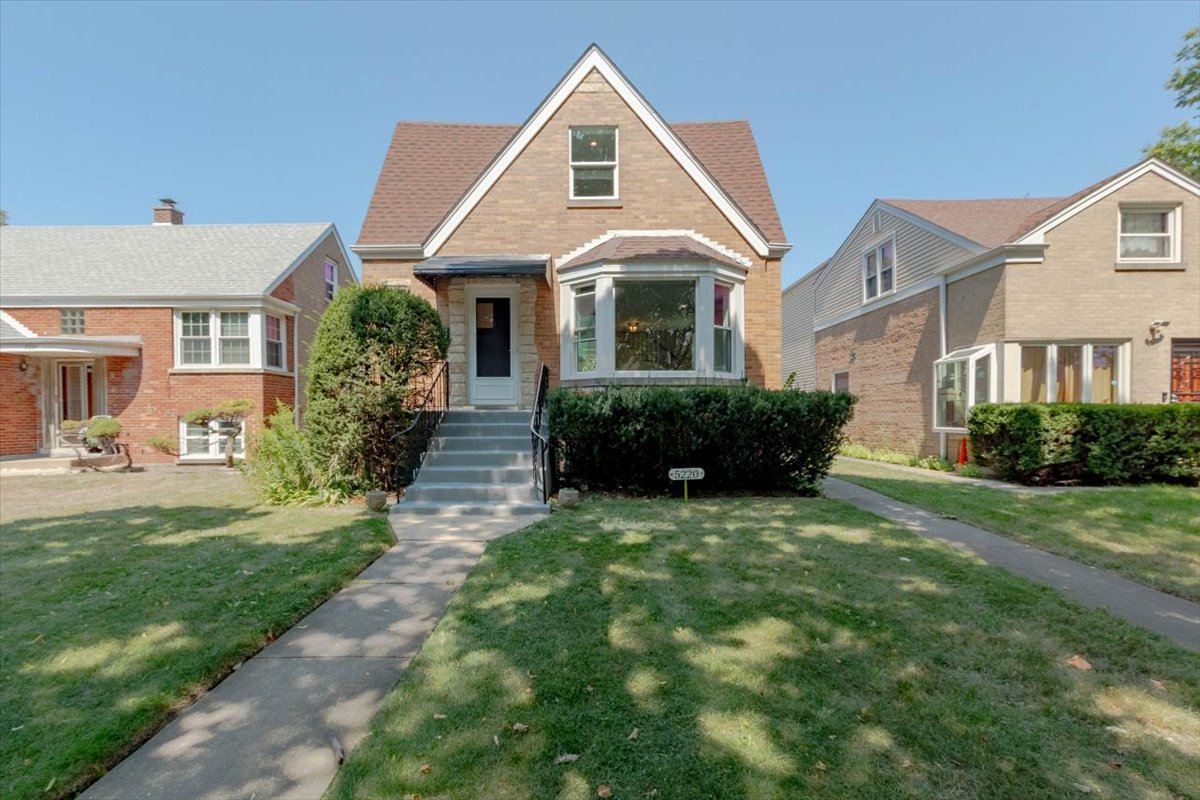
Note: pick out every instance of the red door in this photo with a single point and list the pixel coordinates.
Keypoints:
(1185, 370)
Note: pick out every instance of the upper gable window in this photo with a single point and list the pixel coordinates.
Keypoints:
(593, 162)
(1148, 234)
(331, 279)
(879, 270)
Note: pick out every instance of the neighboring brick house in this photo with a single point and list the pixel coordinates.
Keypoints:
(930, 306)
(147, 323)
(594, 238)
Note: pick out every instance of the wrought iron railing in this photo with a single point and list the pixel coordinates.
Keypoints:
(543, 450)
(412, 443)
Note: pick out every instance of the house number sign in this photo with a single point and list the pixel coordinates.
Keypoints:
(685, 474)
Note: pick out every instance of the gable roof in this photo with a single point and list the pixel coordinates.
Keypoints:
(435, 174)
(989, 223)
(140, 261)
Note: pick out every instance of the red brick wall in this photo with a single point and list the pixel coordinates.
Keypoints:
(20, 408)
(142, 392)
(889, 354)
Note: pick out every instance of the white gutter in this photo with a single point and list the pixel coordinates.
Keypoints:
(296, 369)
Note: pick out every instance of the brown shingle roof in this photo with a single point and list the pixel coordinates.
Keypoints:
(642, 248)
(990, 223)
(429, 166)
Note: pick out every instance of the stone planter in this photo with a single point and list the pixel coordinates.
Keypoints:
(377, 500)
(568, 498)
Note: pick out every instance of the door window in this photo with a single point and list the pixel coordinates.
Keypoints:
(493, 345)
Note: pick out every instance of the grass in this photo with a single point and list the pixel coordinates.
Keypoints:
(1150, 534)
(772, 648)
(124, 595)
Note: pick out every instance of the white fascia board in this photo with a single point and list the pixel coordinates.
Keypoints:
(210, 301)
(594, 58)
(1151, 165)
(74, 345)
(589, 271)
(400, 252)
(996, 257)
(308, 251)
(15, 323)
(895, 297)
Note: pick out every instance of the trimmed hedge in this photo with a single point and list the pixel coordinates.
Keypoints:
(1039, 443)
(743, 437)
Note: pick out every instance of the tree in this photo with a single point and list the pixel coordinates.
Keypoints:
(3, 217)
(229, 416)
(1179, 145)
(375, 347)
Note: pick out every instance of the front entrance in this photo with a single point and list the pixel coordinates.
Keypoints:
(1185, 371)
(492, 347)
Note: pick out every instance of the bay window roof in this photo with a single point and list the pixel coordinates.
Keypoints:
(661, 246)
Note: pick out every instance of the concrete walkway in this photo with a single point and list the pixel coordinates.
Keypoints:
(1173, 617)
(268, 730)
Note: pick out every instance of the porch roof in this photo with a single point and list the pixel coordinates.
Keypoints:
(493, 265)
(70, 346)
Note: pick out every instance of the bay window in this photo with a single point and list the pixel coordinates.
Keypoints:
(647, 321)
(961, 380)
(230, 339)
(1070, 373)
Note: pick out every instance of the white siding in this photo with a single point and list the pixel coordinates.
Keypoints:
(799, 340)
(920, 253)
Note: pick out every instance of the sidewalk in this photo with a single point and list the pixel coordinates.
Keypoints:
(269, 730)
(1173, 617)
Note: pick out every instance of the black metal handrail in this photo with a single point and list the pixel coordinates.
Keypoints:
(543, 450)
(412, 443)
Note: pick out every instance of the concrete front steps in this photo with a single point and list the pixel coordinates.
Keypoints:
(479, 462)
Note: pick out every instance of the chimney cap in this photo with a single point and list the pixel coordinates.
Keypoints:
(166, 201)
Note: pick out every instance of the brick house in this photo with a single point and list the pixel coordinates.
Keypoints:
(595, 238)
(931, 306)
(147, 323)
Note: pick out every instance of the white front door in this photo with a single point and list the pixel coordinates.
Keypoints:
(492, 346)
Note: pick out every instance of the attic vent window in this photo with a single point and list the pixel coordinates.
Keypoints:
(593, 162)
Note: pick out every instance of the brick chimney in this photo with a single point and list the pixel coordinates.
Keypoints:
(166, 213)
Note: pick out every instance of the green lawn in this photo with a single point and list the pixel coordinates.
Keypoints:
(123, 595)
(772, 648)
(1150, 534)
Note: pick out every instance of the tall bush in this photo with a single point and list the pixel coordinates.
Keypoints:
(373, 348)
(1038, 443)
(743, 437)
(284, 468)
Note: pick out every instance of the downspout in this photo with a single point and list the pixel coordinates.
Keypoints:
(941, 349)
(296, 368)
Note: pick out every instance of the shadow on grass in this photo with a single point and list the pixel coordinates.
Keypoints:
(114, 618)
(772, 648)
(1150, 534)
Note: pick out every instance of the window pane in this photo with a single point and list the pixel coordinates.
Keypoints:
(275, 354)
(195, 323)
(593, 144)
(723, 347)
(871, 264)
(195, 351)
(1144, 221)
(235, 351)
(585, 329)
(235, 323)
(595, 181)
(951, 395)
(841, 382)
(887, 256)
(1104, 373)
(885, 280)
(196, 441)
(655, 324)
(1145, 247)
(1033, 374)
(585, 355)
(722, 314)
(272, 328)
(1070, 374)
(70, 321)
(983, 379)
(871, 292)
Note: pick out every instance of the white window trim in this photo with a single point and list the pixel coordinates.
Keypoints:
(876, 248)
(731, 327)
(970, 355)
(615, 164)
(257, 322)
(283, 367)
(574, 321)
(330, 286)
(1052, 367)
(216, 444)
(1173, 233)
(705, 274)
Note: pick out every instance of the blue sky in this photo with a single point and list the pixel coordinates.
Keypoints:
(279, 112)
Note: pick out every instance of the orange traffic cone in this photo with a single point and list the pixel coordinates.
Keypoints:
(962, 451)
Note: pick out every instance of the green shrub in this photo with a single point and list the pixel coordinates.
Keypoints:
(1040, 443)
(895, 457)
(374, 348)
(283, 468)
(743, 437)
